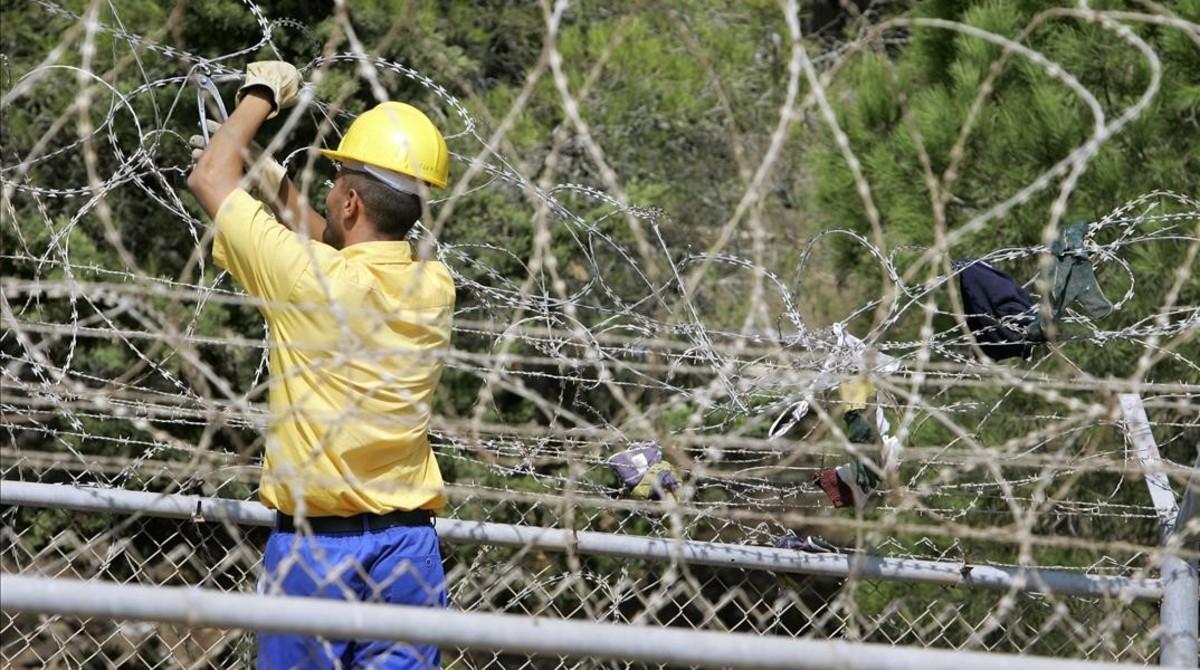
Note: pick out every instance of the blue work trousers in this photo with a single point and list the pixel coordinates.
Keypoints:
(400, 565)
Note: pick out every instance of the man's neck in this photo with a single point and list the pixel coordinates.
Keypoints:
(364, 231)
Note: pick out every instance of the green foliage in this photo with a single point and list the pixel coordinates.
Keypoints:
(1028, 122)
(669, 91)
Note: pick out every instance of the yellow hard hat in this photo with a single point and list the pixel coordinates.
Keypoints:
(396, 137)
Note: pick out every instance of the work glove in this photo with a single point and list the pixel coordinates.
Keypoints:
(282, 79)
(264, 173)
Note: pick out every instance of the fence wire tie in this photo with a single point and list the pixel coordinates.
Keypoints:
(965, 570)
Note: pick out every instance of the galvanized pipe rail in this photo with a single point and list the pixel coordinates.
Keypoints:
(473, 630)
(748, 557)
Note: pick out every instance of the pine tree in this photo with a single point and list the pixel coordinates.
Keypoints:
(1028, 123)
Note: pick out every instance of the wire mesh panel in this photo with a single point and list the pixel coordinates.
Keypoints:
(530, 581)
(862, 322)
(493, 579)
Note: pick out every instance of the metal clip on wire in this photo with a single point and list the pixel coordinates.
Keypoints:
(204, 85)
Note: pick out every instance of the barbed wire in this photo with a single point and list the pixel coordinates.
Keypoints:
(614, 330)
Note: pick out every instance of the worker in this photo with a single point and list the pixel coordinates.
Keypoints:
(357, 328)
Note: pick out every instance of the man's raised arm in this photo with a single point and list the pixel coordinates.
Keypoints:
(219, 170)
(294, 213)
(269, 184)
(269, 87)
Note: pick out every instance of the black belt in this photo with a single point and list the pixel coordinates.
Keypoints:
(359, 523)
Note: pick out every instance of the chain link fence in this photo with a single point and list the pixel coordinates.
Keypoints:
(1008, 513)
(531, 580)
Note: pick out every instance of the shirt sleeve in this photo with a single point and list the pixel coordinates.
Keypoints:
(263, 256)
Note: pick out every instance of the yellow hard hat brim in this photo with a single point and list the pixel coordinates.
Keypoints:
(341, 157)
(335, 155)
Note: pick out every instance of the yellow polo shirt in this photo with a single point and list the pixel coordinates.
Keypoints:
(356, 339)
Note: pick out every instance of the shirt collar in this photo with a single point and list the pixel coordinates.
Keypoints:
(386, 252)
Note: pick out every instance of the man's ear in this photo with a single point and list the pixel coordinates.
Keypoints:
(351, 208)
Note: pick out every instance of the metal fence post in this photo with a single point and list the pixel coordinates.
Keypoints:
(1180, 609)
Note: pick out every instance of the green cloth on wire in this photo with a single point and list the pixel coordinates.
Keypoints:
(859, 431)
(1074, 280)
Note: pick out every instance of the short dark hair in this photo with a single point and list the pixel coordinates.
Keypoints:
(391, 212)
